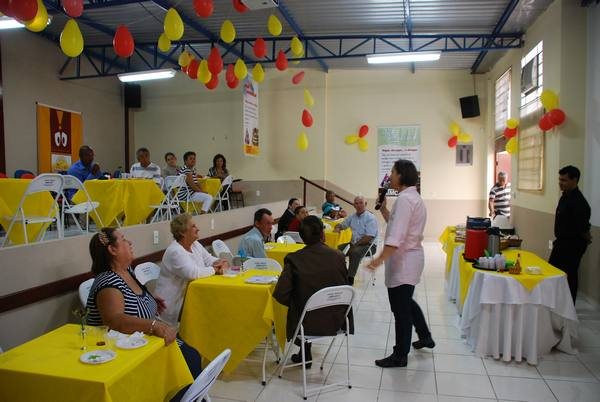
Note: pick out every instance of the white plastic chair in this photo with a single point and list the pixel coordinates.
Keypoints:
(295, 236)
(84, 291)
(47, 182)
(73, 183)
(327, 297)
(188, 199)
(170, 203)
(219, 247)
(223, 194)
(202, 384)
(286, 239)
(263, 264)
(146, 272)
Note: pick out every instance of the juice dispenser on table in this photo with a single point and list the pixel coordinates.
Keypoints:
(476, 241)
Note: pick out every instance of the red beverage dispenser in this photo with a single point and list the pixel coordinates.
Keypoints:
(475, 243)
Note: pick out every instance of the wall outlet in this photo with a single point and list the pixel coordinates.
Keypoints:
(155, 237)
(550, 244)
(258, 193)
(212, 224)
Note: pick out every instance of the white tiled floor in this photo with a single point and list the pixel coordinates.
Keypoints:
(449, 373)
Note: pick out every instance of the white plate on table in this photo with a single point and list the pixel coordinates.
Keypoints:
(132, 342)
(97, 356)
(262, 279)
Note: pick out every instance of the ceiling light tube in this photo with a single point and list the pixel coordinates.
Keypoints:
(403, 57)
(147, 75)
(10, 23)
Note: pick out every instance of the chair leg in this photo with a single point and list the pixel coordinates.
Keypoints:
(347, 333)
(303, 362)
(285, 358)
(264, 363)
(327, 353)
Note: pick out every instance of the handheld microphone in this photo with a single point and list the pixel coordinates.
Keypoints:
(382, 193)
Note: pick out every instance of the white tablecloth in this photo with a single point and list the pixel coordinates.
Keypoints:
(453, 283)
(501, 318)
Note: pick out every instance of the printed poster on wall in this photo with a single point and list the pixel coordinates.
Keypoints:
(251, 134)
(60, 134)
(398, 142)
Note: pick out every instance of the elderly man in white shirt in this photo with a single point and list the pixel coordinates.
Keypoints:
(364, 232)
(144, 169)
(184, 260)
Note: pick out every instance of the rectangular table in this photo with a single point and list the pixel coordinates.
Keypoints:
(221, 312)
(278, 251)
(48, 369)
(131, 197)
(210, 185)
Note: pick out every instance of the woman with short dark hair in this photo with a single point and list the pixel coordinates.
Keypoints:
(219, 168)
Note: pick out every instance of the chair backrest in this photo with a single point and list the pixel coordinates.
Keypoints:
(264, 264)
(146, 272)
(219, 247)
(286, 239)
(20, 172)
(172, 182)
(295, 236)
(202, 384)
(45, 182)
(226, 183)
(84, 291)
(71, 183)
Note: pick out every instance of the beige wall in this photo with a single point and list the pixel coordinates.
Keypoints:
(30, 66)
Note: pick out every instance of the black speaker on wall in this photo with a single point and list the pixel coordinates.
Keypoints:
(469, 106)
(133, 96)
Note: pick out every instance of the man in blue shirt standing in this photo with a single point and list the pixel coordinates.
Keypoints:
(253, 242)
(85, 168)
(364, 232)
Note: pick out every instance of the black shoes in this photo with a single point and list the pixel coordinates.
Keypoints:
(424, 343)
(392, 361)
(297, 358)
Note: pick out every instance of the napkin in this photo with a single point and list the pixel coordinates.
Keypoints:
(533, 270)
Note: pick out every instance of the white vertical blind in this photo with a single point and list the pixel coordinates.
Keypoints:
(502, 106)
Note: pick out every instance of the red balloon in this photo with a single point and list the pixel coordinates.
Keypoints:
(204, 8)
(184, 69)
(215, 62)
(24, 10)
(557, 116)
(545, 123)
(510, 132)
(364, 130)
(239, 6)
(296, 79)
(453, 141)
(282, 62)
(307, 119)
(230, 74)
(233, 83)
(192, 70)
(213, 83)
(6, 9)
(74, 8)
(123, 42)
(260, 48)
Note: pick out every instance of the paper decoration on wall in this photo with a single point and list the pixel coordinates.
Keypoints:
(71, 41)
(173, 25)
(40, 21)
(203, 8)
(274, 25)
(363, 144)
(227, 31)
(164, 44)
(554, 116)
(302, 141)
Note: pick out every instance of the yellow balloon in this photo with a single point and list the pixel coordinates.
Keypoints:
(512, 123)
(240, 70)
(454, 129)
(351, 139)
(71, 40)
(274, 25)
(184, 59)
(308, 99)
(258, 73)
(297, 47)
(512, 145)
(204, 74)
(173, 25)
(227, 31)
(549, 99)
(464, 137)
(40, 21)
(302, 141)
(164, 44)
(363, 145)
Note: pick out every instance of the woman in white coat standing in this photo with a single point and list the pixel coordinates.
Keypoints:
(404, 261)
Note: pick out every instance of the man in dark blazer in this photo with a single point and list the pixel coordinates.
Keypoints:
(286, 218)
(305, 272)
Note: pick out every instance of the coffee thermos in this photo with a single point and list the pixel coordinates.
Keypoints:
(493, 244)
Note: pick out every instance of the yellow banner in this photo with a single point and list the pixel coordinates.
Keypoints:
(60, 134)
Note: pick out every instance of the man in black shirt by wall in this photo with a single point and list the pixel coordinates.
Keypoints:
(286, 218)
(571, 227)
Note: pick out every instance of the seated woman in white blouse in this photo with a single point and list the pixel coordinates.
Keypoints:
(184, 260)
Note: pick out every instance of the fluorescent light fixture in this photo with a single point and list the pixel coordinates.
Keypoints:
(147, 75)
(10, 23)
(406, 57)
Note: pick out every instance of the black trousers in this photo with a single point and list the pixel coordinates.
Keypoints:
(406, 314)
(566, 256)
(194, 362)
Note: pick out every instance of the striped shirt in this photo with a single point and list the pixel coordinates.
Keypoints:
(142, 306)
(501, 197)
(184, 191)
(152, 171)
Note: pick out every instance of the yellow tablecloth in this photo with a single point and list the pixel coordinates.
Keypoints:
(449, 243)
(278, 251)
(39, 204)
(116, 197)
(209, 185)
(528, 259)
(333, 239)
(48, 369)
(221, 312)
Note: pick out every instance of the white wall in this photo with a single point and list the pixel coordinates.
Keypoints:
(592, 162)
(30, 66)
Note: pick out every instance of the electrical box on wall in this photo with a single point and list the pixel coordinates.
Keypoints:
(464, 155)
